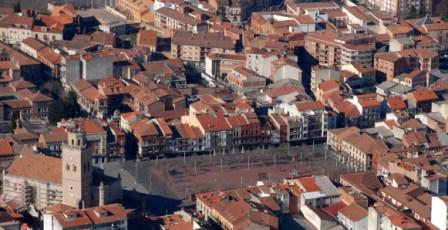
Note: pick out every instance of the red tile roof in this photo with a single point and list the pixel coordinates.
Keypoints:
(38, 167)
(354, 212)
(91, 127)
(308, 184)
(421, 95)
(328, 85)
(5, 148)
(147, 38)
(396, 103)
(310, 105)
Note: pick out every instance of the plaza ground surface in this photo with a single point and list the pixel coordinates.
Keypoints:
(167, 183)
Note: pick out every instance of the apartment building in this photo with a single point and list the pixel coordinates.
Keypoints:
(136, 10)
(285, 68)
(230, 210)
(47, 28)
(434, 27)
(357, 15)
(187, 138)
(414, 79)
(273, 65)
(43, 53)
(421, 100)
(96, 65)
(152, 137)
(413, 197)
(173, 4)
(14, 29)
(215, 128)
(166, 18)
(269, 23)
(401, 8)
(219, 65)
(194, 48)
(393, 64)
(238, 12)
(359, 149)
(369, 108)
(313, 9)
(244, 80)
(331, 49)
(306, 120)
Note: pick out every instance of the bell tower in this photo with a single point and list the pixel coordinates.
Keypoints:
(76, 171)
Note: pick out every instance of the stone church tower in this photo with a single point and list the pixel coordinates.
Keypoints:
(76, 171)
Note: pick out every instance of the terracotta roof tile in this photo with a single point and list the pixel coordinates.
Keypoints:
(308, 184)
(6, 148)
(147, 38)
(328, 85)
(424, 95)
(36, 166)
(354, 212)
(91, 127)
(310, 105)
(396, 103)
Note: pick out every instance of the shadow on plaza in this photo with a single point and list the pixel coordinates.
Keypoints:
(155, 205)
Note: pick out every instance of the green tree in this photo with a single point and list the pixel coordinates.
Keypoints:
(71, 106)
(52, 89)
(56, 111)
(64, 108)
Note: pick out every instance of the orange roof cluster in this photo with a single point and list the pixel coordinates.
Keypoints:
(69, 217)
(422, 95)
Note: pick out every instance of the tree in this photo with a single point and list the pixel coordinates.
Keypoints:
(56, 111)
(52, 89)
(64, 108)
(71, 106)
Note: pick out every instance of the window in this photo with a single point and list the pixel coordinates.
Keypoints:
(74, 168)
(67, 167)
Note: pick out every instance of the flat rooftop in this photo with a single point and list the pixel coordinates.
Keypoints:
(103, 15)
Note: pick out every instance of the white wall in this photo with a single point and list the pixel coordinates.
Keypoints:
(438, 213)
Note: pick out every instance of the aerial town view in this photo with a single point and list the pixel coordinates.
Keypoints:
(224, 114)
